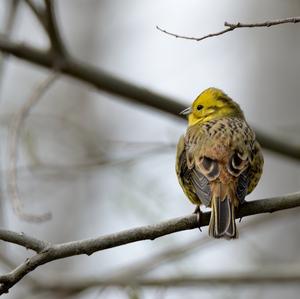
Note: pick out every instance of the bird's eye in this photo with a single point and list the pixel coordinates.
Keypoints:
(199, 107)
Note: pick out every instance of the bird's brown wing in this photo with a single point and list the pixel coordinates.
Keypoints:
(194, 184)
(212, 153)
(256, 169)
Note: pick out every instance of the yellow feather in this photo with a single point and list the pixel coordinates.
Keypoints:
(215, 104)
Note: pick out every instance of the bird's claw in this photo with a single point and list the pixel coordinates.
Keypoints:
(198, 213)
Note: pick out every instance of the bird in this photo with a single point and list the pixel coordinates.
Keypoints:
(218, 160)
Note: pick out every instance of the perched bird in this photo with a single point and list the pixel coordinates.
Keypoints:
(218, 159)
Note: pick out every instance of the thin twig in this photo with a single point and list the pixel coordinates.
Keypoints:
(243, 278)
(23, 240)
(53, 31)
(8, 27)
(104, 81)
(11, 17)
(195, 38)
(233, 26)
(47, 18)
(39, 12)
(54, 252)
(15, 129)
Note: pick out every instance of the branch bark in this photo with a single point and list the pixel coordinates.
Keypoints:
(47, 252)
(109, 83)
(233, 26)
(23, 240)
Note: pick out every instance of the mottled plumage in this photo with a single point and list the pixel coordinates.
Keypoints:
(219, 160)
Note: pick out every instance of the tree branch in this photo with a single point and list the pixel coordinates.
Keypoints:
(47, 18)
(39, 12)
(15, 130)
(53, 31)
(175, 253)
(243, 278)
(233, 26)
(47, 252)
(109, 83)
(10, 20)
(132, 273)
(23, 240)
(194, 38)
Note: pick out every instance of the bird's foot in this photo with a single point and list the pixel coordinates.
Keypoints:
(198, 213)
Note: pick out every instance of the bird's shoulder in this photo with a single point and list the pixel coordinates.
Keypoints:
(227, 146)
(218, 128)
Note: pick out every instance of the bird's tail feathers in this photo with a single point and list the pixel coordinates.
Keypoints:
(222, 220)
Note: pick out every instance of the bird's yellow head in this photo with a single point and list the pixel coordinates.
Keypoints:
(211, 104)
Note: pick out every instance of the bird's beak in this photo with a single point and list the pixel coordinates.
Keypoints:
(186, 111)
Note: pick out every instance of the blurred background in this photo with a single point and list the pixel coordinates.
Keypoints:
(100, 163)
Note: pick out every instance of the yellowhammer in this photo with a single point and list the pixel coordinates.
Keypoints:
(218, 159)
